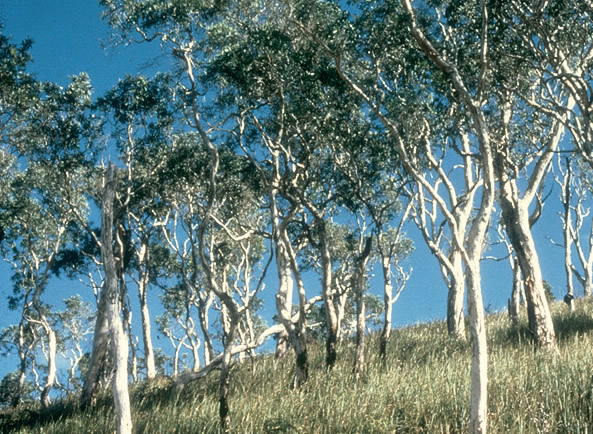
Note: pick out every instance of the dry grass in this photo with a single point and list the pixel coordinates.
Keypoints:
(422, 387)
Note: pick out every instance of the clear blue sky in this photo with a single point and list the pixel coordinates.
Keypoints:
(69, 37)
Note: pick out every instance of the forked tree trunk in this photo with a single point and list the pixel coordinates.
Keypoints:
(516, 220)
(295, 335)
(119, 343)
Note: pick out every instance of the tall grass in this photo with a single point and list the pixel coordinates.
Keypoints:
(423, 386)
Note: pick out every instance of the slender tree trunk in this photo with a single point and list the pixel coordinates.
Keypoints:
(360, 335)
(119, 343)
(52, 347)
(284, 299)
(328, 296)
(225, 380)
(143, 281)
(479, 367)
(358, 285)
(300, 342)
(98, 353)
(455, 296)
(295, 335)
(516, 219)
(588, 276)
(516, 294)
(387, 299)
(18, 395)
(566, 198)
(205, 326)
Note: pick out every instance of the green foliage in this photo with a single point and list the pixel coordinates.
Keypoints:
(423, 386)
(9, 390)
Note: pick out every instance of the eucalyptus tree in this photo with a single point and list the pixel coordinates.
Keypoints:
(112, 292)
(74, 325)
(181, 196)
(378, 191)
(269, 80)
(559, 37)
(182, 28)
(141, 121)
(49, 137)
(576, 190)
(399, 79)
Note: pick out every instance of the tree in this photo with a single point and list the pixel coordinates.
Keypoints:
(576, 189)
(559, 40)
(74, 324)
(381, 100)
(141, 119)
(119, 345)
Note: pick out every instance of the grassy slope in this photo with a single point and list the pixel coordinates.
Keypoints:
(423, 387)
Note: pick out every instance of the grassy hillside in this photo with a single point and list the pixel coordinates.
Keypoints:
(423, 387)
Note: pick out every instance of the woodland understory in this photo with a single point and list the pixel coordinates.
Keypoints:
(282, 140)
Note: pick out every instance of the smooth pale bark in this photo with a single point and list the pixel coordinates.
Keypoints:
(52, 347)
(203, 311)
(295, 334)
(286, 266)
(517, 293)
(387, 300)
(283, 296)
(516, 219)
(567, 234)
(328, 296)
(479, 367)
(586, 278)
(143, 280)
(300, 339)
(119, 342)
(472, 252)
(358, 286)
(455, 297)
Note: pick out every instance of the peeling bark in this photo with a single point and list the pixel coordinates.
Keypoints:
(119, 343)
(98, 353)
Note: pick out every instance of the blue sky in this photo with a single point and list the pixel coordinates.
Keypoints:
(69, 38)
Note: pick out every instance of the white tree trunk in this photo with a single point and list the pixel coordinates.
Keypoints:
(52, 347)
(479, 367)
(119, 342)
(567, 232)
(143, 281)
(517, 293)
(516, 218)
(455, 298)
(387, 300)
(328, 296)
(358, 286)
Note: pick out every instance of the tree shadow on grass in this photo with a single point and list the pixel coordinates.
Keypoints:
(35, 416)
(574, 323)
